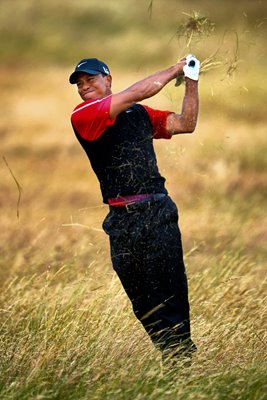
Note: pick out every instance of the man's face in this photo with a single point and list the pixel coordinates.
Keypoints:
(93, 86)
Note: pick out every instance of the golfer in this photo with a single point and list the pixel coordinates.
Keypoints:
(117, 134)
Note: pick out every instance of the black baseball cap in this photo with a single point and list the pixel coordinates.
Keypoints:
(91, 66)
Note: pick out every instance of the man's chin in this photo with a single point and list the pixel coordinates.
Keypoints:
(86, 97)
(90, 96)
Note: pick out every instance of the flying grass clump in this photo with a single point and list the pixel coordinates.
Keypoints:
(194, 30)
(195, 27)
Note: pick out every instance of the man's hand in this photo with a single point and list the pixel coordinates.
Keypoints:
(192, 67)
(180, 67)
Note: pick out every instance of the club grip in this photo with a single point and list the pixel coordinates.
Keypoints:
(179, 80)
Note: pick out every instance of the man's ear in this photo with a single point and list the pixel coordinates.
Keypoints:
(109, 80)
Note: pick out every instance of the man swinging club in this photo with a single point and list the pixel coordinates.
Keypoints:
(117, 135)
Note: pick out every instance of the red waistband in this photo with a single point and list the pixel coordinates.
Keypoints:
(124, 200)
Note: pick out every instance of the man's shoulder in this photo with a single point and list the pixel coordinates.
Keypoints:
(92, 103)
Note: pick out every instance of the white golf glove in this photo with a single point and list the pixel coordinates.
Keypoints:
(192, 67)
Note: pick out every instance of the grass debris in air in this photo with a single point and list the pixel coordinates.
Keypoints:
(193, 31)
(195, 27)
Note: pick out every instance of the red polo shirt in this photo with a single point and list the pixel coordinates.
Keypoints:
(91, 119)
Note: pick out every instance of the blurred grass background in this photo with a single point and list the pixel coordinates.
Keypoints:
(67, 330)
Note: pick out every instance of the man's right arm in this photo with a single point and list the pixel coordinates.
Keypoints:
(144, 89)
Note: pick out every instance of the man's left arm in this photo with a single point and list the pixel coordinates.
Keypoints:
(187, 120)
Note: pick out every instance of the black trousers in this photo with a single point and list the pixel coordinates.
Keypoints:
(147, 255)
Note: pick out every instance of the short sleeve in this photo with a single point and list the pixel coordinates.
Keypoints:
(158, 120)
(91, 118)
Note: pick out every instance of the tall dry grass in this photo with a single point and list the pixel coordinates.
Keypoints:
(67, 329)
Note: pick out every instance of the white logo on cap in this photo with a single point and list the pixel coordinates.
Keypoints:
(106, 70)
(78, 66)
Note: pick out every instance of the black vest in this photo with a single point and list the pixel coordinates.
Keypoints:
(123, 157)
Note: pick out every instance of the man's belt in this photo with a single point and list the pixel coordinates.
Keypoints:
(131, 202)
